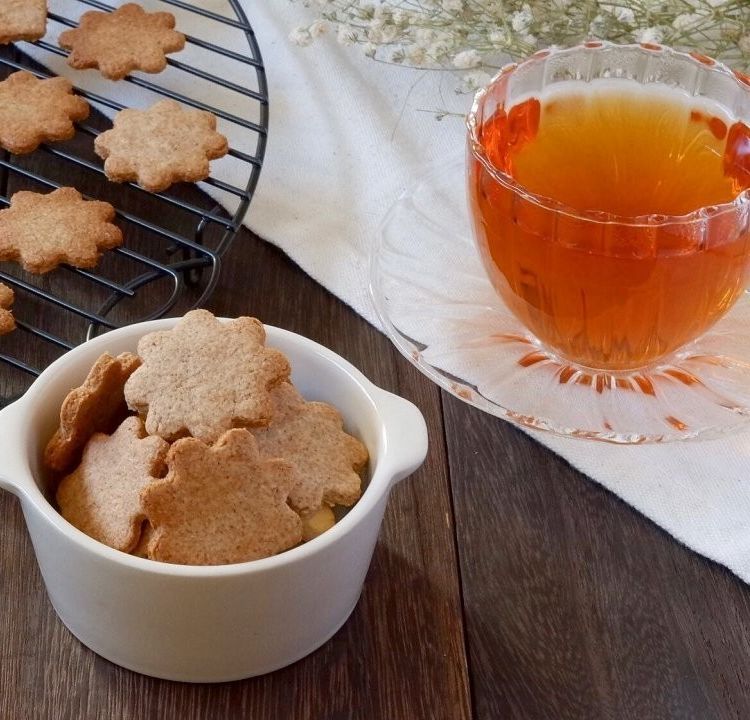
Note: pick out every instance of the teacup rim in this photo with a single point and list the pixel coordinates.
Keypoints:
(598, 217)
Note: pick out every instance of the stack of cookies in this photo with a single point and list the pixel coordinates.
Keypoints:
(155, 147)
(199, 450)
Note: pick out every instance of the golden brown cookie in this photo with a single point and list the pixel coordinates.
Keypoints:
(33, 111)
(102, 496)
(310, 435)
(220, 504)
(121, 41)
(22, 20)
(160, 146)
(205, 377)
(7, 323)
(97, 406)
(41, 231)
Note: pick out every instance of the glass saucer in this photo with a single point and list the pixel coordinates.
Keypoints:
(440, 310)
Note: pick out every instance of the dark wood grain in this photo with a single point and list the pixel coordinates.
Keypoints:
(575, 605)
(505, 585)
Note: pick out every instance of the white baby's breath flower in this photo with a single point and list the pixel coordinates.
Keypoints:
(443, 43)
(467, 59)
(301, 36)
(436, 51)
(624, 15)
(495, 9)
(318, 29)
(387, 34)
(598, 26)
(416, 56)
(347, 35)
(424, 37)
(521, 20)
(375, 33)
(649, 35)
(499, 36)
(466, 34)
(652, 6)
(400, 17)
(474, 80)
(366, 10)
(731, 33)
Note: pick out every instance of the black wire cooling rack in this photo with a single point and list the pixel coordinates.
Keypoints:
(174, 240)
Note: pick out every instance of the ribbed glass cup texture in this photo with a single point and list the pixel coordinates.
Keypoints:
(601, 291)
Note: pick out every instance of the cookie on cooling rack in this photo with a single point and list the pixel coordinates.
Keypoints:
(121, 41)
(22, 20)
(41, 231)
(7, 323)
(97, 406)
(33, 111)
(162, 145)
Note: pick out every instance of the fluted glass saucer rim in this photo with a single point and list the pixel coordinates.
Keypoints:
(596, 216)
(470, 394)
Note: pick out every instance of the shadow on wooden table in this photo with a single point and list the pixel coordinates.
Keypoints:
(351, 676)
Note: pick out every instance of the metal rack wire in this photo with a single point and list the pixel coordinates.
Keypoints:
(178, 238)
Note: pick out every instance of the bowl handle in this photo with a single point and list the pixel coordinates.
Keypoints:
(11, 463)
(406, 434)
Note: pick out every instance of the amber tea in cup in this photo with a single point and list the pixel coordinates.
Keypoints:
(607, 187)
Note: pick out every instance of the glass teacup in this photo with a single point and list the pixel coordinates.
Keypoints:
(601, 290)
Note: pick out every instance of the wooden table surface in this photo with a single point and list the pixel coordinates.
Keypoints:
(504, 585)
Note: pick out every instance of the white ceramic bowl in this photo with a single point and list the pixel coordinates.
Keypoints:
(210, 624)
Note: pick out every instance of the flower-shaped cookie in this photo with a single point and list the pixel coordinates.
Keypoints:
(220, 504)
(102, 496)
(310, 435)
(33, 111)
(205, 377)
(97, 406)
(7, 323)
(117, 42)
(42, 231)
(160, 146)
(22, 20)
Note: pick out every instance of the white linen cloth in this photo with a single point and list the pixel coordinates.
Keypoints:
(347, 136)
